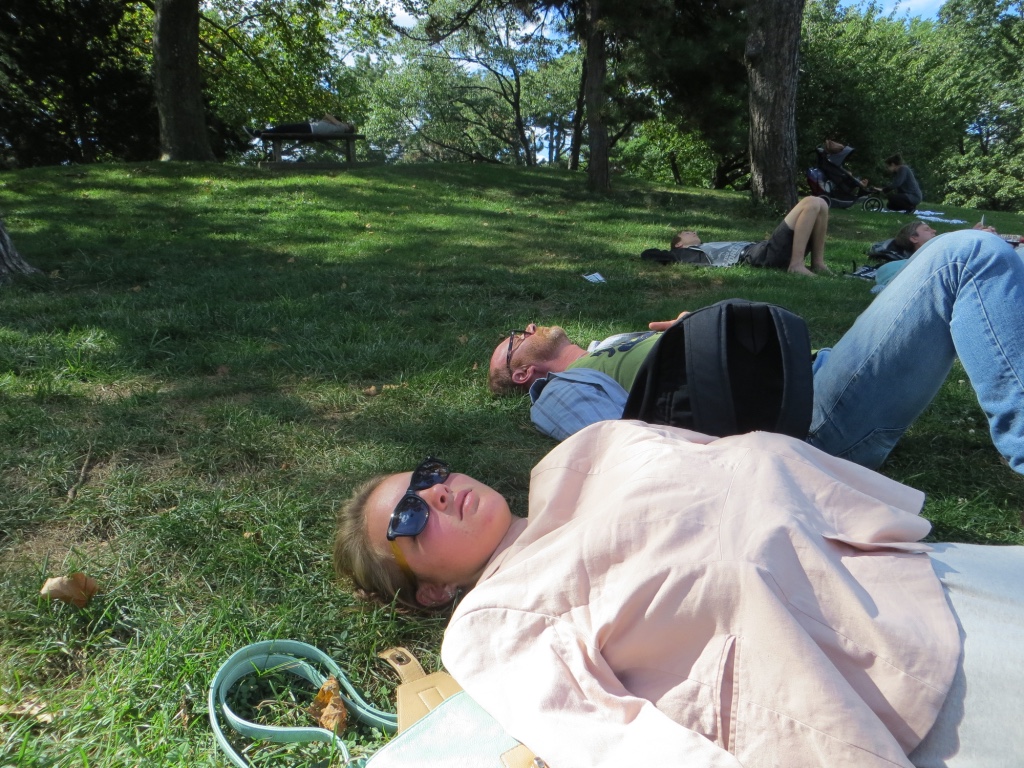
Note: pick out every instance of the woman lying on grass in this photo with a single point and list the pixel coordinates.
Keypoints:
(676, 599)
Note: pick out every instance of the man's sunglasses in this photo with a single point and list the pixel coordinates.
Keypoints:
(511, 342)
(411, 513)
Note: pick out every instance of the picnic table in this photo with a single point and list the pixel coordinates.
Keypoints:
(280, 143)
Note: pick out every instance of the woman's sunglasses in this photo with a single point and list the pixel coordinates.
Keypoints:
(411, 513)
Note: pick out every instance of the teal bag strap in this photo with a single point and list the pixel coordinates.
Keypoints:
(298, 659)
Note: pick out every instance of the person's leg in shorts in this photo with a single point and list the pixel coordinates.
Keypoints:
(808, 221)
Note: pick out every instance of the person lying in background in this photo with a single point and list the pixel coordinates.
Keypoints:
(801, 234)
(328, 125)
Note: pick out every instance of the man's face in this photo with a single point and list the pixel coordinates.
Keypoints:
(923, 234)
(537, 347)
(686, 239)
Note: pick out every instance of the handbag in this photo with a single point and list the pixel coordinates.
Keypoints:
(437, 723)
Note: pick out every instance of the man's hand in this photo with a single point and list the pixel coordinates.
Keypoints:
(664, 325)
(981, 226)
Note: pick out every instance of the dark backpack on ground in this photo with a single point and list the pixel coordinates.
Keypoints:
(887, 250)
(734, 367)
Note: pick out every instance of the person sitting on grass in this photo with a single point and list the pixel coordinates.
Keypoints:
(328, 125)
(677, 599)
(904, 193)
(800, 233)
(960, 296)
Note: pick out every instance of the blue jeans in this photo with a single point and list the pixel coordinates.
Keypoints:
(961, 295)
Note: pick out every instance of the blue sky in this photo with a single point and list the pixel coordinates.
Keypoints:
(928, 9)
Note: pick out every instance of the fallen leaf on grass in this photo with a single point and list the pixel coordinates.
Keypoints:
(28, 709)
(76, 589)
(370, 391)
(328, 707)
(463, 339)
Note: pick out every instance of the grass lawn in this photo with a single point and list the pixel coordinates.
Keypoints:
(217, 356)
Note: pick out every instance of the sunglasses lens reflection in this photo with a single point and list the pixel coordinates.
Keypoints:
(410, 516)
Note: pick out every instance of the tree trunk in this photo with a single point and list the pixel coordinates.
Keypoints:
(598, 179)
(771, 57)
(11, 262)
(177, 82)
(577, 121)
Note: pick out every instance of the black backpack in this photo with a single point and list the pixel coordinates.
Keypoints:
(734, 367)
(887, 250)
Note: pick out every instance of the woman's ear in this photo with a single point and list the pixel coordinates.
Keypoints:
(434, 595)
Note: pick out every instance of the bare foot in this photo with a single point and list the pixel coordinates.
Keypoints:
(800, 269)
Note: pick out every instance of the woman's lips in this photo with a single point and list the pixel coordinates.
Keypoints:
(462, 502)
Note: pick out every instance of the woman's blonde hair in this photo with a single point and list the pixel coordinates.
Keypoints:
(375, 574)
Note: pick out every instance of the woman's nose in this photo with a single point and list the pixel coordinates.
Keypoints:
(437, 496)
(531, 328)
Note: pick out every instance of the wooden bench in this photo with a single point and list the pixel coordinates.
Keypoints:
(278, 143)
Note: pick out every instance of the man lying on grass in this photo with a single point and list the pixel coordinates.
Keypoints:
(960, 296)
(800, 234)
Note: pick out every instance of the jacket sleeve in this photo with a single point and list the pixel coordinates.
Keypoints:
(555, 693)
(565, 403)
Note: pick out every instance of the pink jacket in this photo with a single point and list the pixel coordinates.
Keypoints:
(676, 599)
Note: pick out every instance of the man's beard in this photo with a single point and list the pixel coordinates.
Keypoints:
(548, 341)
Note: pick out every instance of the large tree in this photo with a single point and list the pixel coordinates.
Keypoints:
(178, 83)
(772, 55)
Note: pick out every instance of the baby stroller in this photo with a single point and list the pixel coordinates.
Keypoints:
(836, 185)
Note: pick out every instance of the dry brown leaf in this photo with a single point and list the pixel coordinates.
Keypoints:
(328, 707)
(370, 391)
(136, 288)
(28, 709)
(291, 260)
(463, 339)
(76, 589)
(394, 386)
(476, 366)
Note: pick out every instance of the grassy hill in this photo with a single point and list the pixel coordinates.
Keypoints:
(216, 356)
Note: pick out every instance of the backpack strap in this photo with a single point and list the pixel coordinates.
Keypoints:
(798, 381)
(707, 368)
